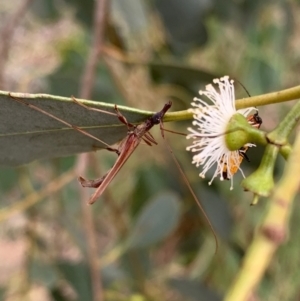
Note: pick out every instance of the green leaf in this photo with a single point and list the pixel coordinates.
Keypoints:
(156, 221)
(27, 135)
(192, 15)
(43, 273)
(77, 274)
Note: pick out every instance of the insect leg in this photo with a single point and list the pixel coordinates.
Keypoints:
(122, 118)
(91, 108)
(92, 183)
(76, 128)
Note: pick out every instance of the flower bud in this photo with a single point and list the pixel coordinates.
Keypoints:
(261, 181)
(240, 132)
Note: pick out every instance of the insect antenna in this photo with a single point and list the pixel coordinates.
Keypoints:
(243, 87)
(91, 108)
(174, 132)
(187, 183)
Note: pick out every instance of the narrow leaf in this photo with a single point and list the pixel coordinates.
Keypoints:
(27, 135)
(156, 221)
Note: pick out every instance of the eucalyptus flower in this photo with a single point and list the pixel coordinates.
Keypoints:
(210, 128)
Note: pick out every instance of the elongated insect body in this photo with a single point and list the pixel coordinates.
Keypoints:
(127, 146)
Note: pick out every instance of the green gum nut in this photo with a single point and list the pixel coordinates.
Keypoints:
(261, 181)
(240, 132)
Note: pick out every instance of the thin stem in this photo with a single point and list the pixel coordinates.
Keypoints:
(187, 183)
(254, 101)
(178, 116)
(269, 98)
(90, 234)
(88, 78)
(282, 131)
(285, 151)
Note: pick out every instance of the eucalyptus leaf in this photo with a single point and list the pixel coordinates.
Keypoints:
(27, 135)
(135, 263)
(77, 274)
(156, 221)
(192, 30)
(132, 14)
(44, 273)
(111, 274)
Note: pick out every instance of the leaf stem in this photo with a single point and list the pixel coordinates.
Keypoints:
(269, 98)
(254, 101)
(281, 132)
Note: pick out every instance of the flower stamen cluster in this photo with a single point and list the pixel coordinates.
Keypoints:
(209, 129)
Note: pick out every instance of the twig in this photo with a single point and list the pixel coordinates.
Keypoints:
(90, 234)
(88, 78)
(87, 84)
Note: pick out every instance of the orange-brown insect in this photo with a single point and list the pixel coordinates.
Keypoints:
(256, 121)
(136, 133)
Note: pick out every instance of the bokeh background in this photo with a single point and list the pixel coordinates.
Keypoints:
(145, 239)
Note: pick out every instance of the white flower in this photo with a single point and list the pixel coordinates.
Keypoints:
(211, 121)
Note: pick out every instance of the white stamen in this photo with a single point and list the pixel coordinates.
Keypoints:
(210, 123)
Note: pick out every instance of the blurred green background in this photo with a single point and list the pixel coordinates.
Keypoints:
(151, 240)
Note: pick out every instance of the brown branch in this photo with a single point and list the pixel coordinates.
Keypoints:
(6, 36)
(87, 84)
(88, 78)
(90, 233)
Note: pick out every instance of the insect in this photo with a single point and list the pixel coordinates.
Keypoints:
(135, 134)
(256, 121)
